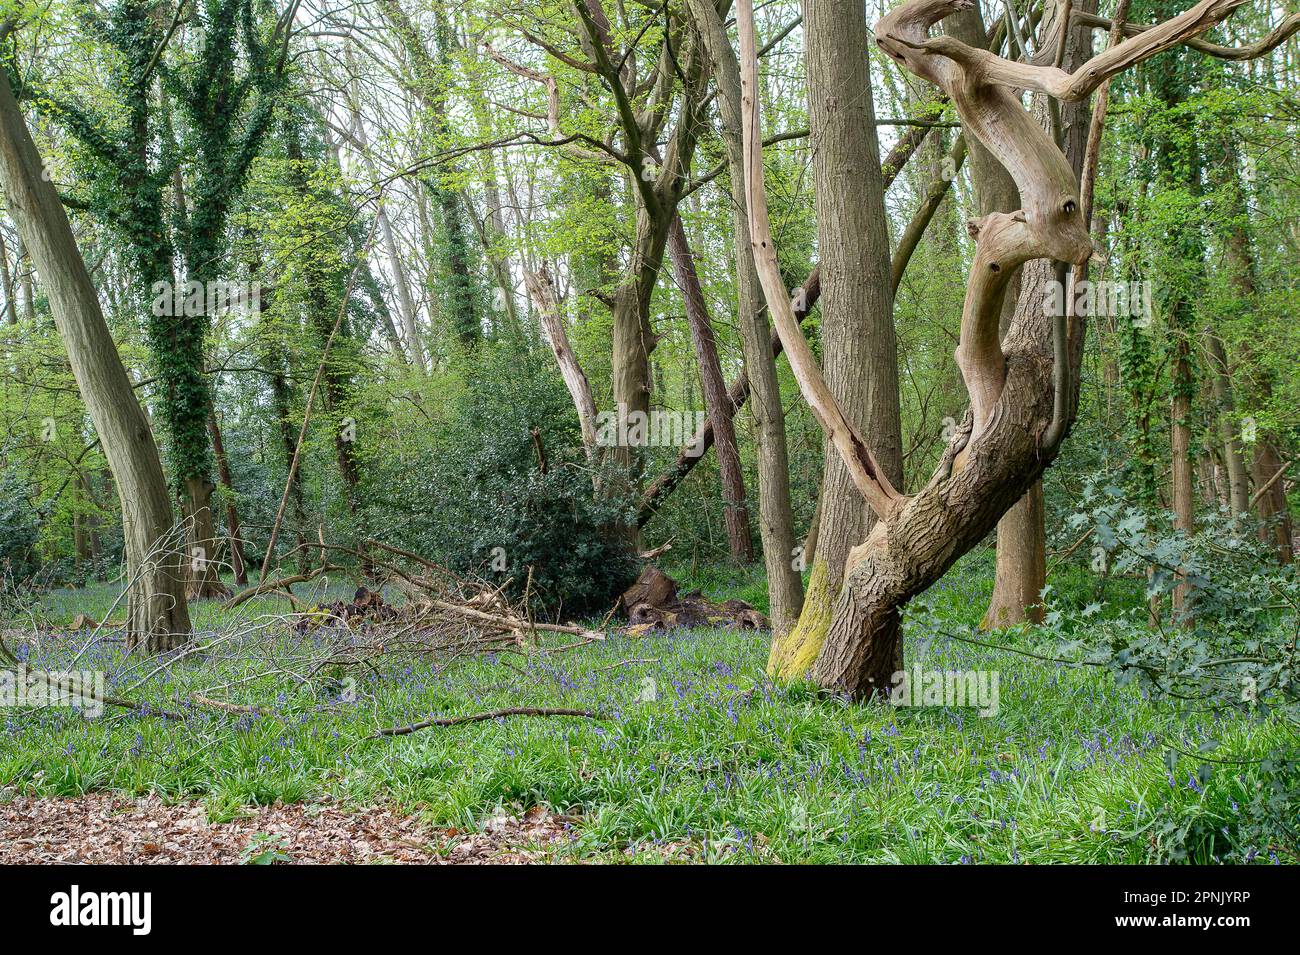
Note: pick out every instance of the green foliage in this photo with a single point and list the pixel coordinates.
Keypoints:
(19, 527)
(1231, 646)
(476, 500)
(720, 765)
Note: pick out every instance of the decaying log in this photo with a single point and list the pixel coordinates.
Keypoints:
(653, 603)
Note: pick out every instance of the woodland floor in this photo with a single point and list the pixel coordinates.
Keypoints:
(696, 757)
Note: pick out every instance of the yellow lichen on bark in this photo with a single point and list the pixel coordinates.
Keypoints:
(794, 653)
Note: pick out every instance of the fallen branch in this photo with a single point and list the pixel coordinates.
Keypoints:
(625, 663)
(480, 717)
(282, 583)
(512, 623)
(221, 705)
(84, 694)
(1269, 485)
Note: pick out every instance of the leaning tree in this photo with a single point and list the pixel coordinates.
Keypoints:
(157, 616)
(1023, 387)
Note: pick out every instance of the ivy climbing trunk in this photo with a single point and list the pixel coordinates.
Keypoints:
(457, 288)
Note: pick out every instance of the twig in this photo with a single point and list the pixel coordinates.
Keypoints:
(623, 663)
(479, 717)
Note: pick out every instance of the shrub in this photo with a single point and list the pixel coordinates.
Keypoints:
(19, 527)
(477, 499)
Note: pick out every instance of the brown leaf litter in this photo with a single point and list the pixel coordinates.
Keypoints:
(101, 828)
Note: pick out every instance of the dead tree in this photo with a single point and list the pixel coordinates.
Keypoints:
(1023, 388)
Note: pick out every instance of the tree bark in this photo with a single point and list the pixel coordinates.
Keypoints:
(859, 348)
(775, 510)
(1024, 387)
(1021, 572)
(1234, 459)
(717, 403)
(6, 275)
(1273, 509)
(157, 615)
(232, 511)
(542, 292)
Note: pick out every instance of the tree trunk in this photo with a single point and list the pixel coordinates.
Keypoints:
(232, 511)
(1272, 505)
(542, 292)
(157, 615)
(1272, 508)
(1021, 571)
(1234, 459)
(775, 511)
(405, 303)
(25, 280)
(1024, 387)
(6, 275)
(1021, 535)
(205, 569)
(633, 338)
(859, 348)
(281, 404)
(718, 405)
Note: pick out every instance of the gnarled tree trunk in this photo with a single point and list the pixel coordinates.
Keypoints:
(1023, 387)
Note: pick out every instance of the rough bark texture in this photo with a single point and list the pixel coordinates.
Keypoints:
(860, 352)
(1023, 388)
(775, 513)
(1021, 558)
(859, 348)
(157, 615)
(716, 401)
(1021, 571)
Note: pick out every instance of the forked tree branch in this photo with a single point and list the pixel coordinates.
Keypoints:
(985, 89)
(981, 66)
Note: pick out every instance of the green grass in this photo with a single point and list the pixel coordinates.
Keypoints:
(1071, 769)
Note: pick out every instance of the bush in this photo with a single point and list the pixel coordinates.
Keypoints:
(477, 500)
(19, 528)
